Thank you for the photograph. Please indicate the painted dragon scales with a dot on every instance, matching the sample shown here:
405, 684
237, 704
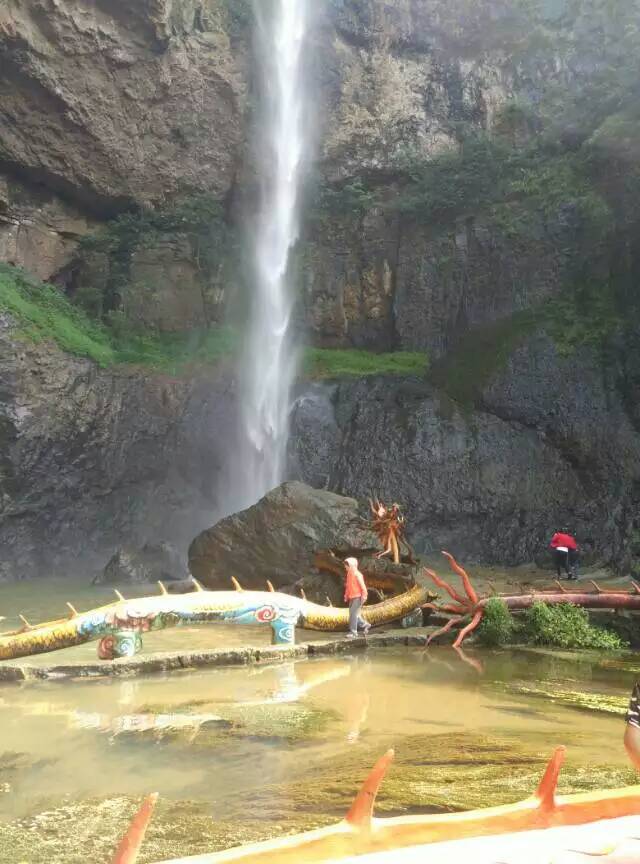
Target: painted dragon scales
118, 626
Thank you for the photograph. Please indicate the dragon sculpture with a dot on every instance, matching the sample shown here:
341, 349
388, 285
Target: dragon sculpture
359, 833
118, 626
389, 524
470, 606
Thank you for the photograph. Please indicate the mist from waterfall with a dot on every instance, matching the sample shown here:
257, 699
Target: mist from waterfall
270, 359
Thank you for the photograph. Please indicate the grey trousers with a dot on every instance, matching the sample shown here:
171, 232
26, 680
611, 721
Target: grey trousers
355, 618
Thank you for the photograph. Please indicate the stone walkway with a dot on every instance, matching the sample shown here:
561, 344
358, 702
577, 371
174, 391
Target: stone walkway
179, 660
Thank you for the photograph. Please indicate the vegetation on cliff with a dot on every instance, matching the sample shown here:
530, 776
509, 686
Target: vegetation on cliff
551, 174
43, 312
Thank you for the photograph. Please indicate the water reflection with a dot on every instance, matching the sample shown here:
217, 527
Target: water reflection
253, 750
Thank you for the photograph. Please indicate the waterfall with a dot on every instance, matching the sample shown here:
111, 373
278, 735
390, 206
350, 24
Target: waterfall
269, 363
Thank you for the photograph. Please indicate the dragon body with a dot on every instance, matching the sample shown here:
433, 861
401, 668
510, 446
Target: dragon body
118, 626
361, 834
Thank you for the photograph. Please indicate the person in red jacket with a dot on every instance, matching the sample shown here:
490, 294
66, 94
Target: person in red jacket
565, 554
355, 594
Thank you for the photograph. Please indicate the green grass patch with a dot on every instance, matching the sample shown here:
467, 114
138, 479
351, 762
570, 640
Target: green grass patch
174, 353
480, 355
43, 313
352, 363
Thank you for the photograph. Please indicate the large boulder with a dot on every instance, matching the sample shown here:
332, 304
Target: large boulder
277, 538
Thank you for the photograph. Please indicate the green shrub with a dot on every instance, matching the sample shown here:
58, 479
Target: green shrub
498, 626
566, 626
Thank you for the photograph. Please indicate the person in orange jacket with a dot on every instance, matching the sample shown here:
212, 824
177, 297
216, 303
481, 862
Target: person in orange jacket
355, 594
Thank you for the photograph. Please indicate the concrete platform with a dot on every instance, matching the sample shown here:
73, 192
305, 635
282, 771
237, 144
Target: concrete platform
148, 664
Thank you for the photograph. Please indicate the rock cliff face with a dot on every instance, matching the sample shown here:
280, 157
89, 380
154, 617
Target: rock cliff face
399, 81
113, 102
107, 105
554, 440
91, 460
111, 105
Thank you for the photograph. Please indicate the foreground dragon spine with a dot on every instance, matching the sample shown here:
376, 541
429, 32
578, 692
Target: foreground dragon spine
118, 626
360, 833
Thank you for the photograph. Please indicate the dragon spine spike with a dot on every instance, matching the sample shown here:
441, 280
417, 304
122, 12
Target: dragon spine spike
118, 595
270, 586
129, 848
302, 594
197, 585
547, 789
636, 586
163, 589
329, 603
596, 586
25, 622
74, 611
236, 584
361, 811
560, 586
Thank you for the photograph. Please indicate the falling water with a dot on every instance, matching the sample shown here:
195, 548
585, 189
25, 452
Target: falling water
270, 359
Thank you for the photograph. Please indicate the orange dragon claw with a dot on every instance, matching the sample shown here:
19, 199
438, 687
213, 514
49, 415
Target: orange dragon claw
462, 573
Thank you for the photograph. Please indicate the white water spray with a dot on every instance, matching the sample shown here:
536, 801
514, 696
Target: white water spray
270, 359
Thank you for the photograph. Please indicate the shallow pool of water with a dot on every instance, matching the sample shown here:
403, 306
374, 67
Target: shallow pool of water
247, 753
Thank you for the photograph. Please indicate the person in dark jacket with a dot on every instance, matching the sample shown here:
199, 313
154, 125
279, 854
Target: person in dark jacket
632, 732
565, 554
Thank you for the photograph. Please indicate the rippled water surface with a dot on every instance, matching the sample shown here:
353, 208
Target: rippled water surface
246, 753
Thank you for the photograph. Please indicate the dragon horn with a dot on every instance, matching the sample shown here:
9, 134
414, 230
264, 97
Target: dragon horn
25, 622
236, 584
197, 585
129, 847
547, 789
361, 811
270, 586
329, 603
302, 594
118, 594
163, 589
74, 611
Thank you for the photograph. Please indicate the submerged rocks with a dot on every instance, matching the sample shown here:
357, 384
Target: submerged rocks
152, 563
276, 539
